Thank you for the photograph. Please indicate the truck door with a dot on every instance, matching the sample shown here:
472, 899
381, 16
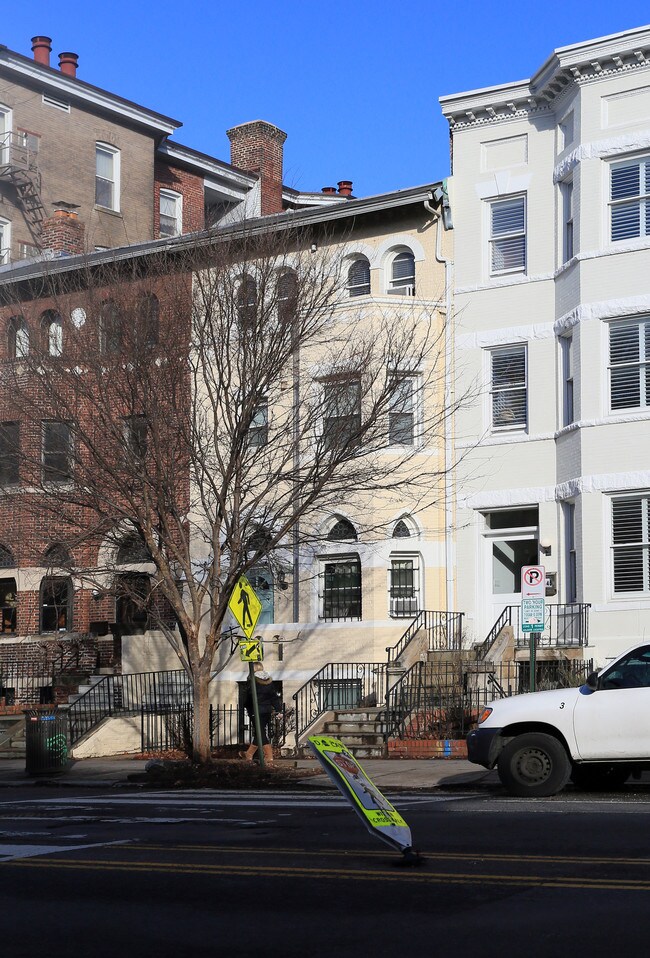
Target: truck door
614, 721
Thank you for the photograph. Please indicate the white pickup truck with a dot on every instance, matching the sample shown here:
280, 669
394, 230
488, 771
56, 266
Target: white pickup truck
596, 735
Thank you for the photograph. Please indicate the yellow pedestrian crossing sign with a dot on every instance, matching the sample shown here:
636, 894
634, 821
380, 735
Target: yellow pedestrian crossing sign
250, 650
245, 606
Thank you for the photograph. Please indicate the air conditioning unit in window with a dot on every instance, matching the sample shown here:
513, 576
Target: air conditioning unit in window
402, 291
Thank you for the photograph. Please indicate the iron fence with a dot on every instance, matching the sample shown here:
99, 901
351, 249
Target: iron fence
565, 626
443, 700
436, 631
170, 728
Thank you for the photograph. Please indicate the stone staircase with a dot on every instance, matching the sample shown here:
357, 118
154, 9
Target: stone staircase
12, 736
91, 680
358, 729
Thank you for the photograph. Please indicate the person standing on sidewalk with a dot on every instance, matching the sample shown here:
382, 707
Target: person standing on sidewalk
268, 701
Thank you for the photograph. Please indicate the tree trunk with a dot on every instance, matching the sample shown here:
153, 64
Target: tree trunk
201, 736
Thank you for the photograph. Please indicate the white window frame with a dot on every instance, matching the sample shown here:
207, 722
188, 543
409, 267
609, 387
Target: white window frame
355, 289
414, 411
568, 209
5, 242
567, 347
632, 544
640, 199
397, 286
177, 199
404, 607
113, 151
507, 236
5, 144
637, 370
502, 389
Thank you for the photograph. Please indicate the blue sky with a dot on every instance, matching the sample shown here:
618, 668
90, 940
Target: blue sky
354, 85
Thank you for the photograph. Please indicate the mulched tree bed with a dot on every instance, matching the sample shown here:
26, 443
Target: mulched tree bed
221, 773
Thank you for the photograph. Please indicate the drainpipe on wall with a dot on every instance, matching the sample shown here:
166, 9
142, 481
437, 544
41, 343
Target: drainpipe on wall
450, 581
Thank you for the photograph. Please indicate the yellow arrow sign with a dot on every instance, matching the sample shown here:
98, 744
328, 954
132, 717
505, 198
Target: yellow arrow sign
251, 650
245, 606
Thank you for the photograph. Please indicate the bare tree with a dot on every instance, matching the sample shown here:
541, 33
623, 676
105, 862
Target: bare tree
202, 409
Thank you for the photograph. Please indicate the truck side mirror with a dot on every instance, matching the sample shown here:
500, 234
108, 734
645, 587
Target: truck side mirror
592, 681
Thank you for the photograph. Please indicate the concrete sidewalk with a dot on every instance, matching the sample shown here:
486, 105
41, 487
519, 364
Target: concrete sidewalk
387, 774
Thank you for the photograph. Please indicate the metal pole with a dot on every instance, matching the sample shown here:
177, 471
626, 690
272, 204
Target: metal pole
533, 663
256, 713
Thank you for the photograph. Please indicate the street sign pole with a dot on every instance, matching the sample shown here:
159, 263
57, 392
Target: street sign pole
533, 597
256, 713
533, 661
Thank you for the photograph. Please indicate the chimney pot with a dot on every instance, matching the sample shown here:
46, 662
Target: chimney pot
41, 48
329, 189
345, 187
68, 63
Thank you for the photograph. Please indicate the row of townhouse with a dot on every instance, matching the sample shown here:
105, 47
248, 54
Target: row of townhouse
541, 292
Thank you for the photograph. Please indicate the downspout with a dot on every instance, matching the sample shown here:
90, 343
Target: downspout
450, 580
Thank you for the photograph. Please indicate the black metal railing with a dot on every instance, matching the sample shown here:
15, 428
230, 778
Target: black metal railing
443, 700
169, 728
128, 694
566, 626
484, 648
336, 687
440, 631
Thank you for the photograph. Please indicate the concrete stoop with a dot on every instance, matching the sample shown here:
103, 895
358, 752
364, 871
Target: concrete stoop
359, 730
12, 737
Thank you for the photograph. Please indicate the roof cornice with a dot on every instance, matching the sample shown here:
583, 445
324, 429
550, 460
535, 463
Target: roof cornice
71, 87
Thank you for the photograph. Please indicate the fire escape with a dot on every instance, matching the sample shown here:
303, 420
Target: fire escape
19, 167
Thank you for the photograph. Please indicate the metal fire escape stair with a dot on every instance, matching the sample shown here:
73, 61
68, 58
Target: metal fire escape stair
19, 167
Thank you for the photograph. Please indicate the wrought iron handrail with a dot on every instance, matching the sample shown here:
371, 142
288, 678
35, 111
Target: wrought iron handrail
127, 694
443, 630
566, 626
484, 647
336, 687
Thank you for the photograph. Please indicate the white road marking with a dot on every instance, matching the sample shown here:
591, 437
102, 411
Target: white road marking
9, 853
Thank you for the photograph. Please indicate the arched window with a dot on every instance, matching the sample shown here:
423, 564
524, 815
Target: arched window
247, 301
57, 556
110, 328
402, 274
7, 560
52, 328
359, 277
147, 324
287, 294
341, 531
401, 530
56, 604
17, 338
133, 550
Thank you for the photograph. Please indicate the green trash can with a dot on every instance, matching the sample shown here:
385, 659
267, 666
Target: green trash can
46, 742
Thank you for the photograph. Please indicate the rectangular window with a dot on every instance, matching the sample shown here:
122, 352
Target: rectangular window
629, 199
56, 604
401, 416
404, 586
5, 242
567, 378
338, 694
508, 235
9, 453
171, 213
571, 563
567, 221
57, 452
629, 355
27, 251
509, 387
135, 436
631, 543
107, 176
258, 434
8, 605
340, 589
566, 132
341, 413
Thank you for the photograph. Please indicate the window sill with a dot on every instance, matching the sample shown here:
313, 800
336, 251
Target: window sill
107, 209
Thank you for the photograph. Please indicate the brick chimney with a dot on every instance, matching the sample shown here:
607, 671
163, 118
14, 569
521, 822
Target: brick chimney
68, 63
41, 48
63, 233
257, 147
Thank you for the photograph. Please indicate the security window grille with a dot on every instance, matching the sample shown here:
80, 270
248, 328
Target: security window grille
359, 278
401, 416
567, 201
631, 544
404, 588
402, 275
258, 434
629, 199
106, 188
9, 453
509, 387
56, 604
629, 357
170, 213
57, 452
340, 589
341, 414
508, 235
8, 604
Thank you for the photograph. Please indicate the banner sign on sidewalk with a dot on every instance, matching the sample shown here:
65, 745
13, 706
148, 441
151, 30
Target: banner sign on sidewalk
377, 813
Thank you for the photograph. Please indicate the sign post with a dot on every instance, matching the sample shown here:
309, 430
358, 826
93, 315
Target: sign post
533, 619
246, 608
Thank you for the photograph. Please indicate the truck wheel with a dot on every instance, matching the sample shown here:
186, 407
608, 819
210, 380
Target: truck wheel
534, 765
599, 777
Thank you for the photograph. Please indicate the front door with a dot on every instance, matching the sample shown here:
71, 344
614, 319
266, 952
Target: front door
506, 554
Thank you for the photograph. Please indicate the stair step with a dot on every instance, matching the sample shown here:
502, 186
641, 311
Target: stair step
349, 715
341, 728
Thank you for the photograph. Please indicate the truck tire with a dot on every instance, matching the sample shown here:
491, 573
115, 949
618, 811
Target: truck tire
599, 776
534, 765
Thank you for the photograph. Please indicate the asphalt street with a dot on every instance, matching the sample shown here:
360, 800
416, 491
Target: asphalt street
295, 874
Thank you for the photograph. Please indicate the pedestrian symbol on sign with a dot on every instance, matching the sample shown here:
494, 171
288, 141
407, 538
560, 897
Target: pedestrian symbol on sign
245, 606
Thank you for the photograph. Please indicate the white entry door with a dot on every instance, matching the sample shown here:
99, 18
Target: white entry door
506, 554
